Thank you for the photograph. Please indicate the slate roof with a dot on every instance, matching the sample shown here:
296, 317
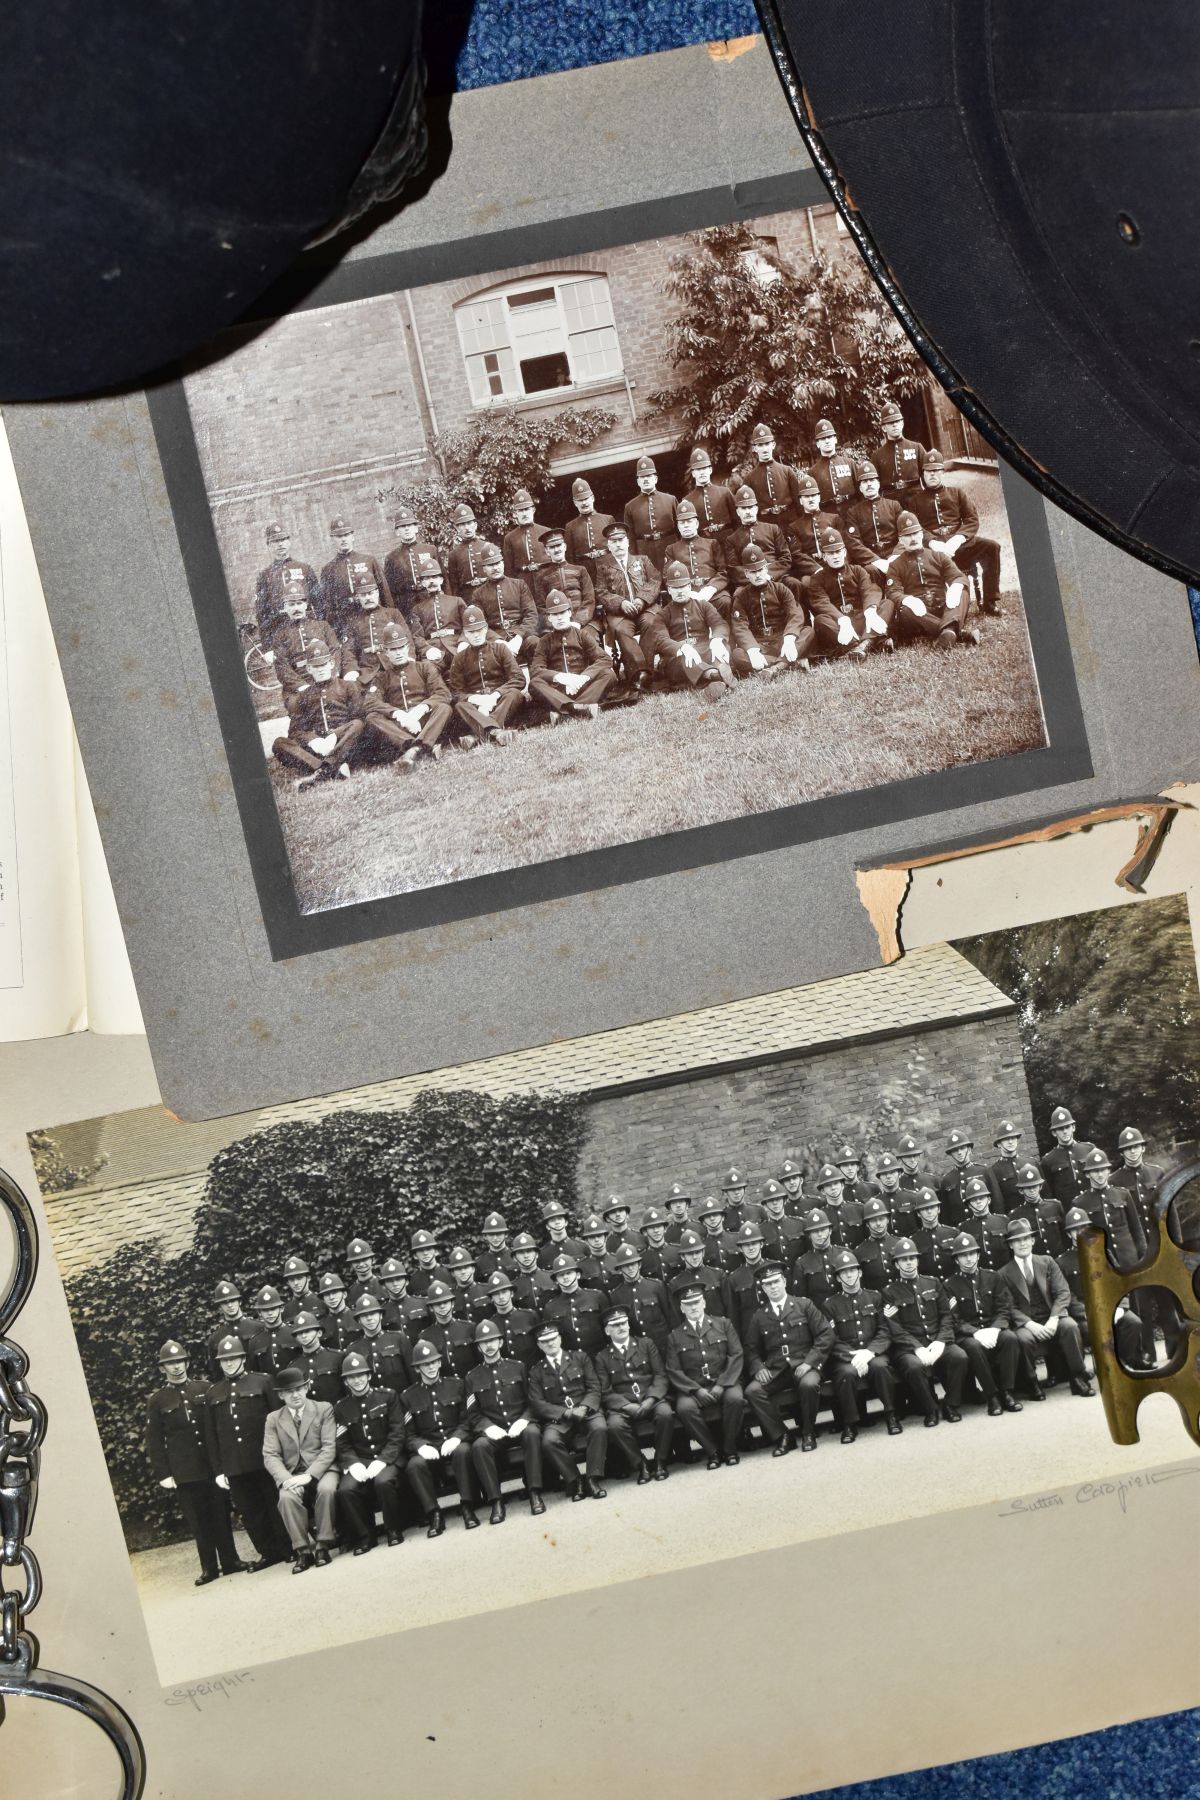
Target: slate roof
927, 988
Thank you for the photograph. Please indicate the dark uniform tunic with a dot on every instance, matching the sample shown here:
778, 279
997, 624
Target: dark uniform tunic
464, 568
835, 477
243, 1328
899, 462
922, 1316
498, 1394
339, 578
927, 575
721, 1253
935, 1250
708, 1361
456, 1343
520, 1328
976, 1308
400, 687
235, 1418
317, 711
292, 642
570, 579
523, 552
783, 1239
401, 571
363, 638
952, 1191
770, 539
389, 1357
990, 1232
806, 532
579, 1316
177, 1446
874, 1259
585, 538
834, 594
508, 607
433, 1412
485, 668
874, 524
705, 561
1063, 1171
648, 1306
715, 508
776, 488
270, 1349
947, 512
370, 1428
633, 1394
650, 521
777, 1342
339, 1329
813, 1274
552, 1390
281, 580
437, 623
322, 1369
858, 1324
1115, 1210
714, 1282
764, 616
575, 651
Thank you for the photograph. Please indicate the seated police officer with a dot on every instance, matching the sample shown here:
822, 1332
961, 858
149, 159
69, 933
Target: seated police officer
788, 1343
370, 1432
564, 1391
704, 1366
501, 1416
860, 1347
633, 1393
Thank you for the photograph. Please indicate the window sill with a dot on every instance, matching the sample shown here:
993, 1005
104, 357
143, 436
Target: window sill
580, 392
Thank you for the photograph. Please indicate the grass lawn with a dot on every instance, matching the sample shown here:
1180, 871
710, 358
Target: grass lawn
674, 761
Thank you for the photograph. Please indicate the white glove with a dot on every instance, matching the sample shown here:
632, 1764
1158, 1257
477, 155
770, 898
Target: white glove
517, 1427
268, 656
788, 649
689, 653
720, 649
562, 679
375, 1468
223, 1482
486, 703
935, 1350
874, 622
450, 1446
515, 642
706, 592
323, 745
860, 1362
846, 631
350, 675
915, 606
497, 1433
759, 661
428, 1452
433, 654
953, 596
168, 1481
359, 1471
953, 544
988, 1336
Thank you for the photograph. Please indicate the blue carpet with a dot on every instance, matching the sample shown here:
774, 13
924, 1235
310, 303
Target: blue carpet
508, 40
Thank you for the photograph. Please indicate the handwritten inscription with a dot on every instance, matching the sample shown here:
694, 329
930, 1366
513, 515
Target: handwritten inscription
1088, 1493
222, 1686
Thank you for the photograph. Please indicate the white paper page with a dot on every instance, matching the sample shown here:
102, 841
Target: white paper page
42, 986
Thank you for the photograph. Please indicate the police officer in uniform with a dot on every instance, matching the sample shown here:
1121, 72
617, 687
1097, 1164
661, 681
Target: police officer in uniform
179, 1457
495, 1253
464, 565
1127, 1325
899, 459
437, 1439
719, 1252
689, 637
339, 1327
790, 1177
507, 604
436, 617
282, 578
832, 470
928, 591
485, 682
452, 1337
767, 621
1143, 1180
873, 1252
703, 557
981, 1327
679, 1212
558, 576
908, 1154
577, 1311
518, 1324
850, 615
401, 1309
633, 1394
292, 638
272, 1343
951, 523
713, 502
335, 601
642, 1298
236, 1409
426, 1266
1006, 1167
787, 1345
1062, 1167
532, 1280
659, 1258
571, 672
934, 1241
859, 1353
921, 1323
386, 1354
782, 1231
952, 1187
704, 1366
406, 705
360, 1270
889, 1188
564, 1391
232, 1321
649, 518
1033, 1295
773, 483
1114, 1210
320, 1367
750, 529
745, 1281
1044, 1213
301, 1295
585, 532
370, 1433
813, 1273
324, 724
501, 1416
695, 1271
522, 546
844, 1210
402, 565
738, 1206
873, 522
558, 1242
363, 632
470, 1294
989, 1229
809, 527
595, 1264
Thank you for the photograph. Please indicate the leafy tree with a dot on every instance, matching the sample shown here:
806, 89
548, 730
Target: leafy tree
757, 337
307, 1186
499, 451
1108, 1011
54, 1174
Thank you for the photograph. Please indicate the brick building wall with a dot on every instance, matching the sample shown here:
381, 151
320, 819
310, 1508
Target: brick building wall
325, 411
802, 1107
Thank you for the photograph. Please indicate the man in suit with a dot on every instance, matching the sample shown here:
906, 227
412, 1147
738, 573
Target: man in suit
633, 1393
299, 1451
501, 1419
564, 1392
370, 1431
787, 1344
178, 1450
1032, 1295
650, 516
980, 1327
704, 1366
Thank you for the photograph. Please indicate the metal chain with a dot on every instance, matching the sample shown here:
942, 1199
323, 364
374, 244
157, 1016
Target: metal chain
22, 1433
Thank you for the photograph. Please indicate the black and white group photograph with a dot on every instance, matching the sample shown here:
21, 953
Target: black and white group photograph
795, 1265
582, 553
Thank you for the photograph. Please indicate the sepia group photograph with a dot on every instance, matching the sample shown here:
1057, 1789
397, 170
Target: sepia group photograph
792, 1266
554, 559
